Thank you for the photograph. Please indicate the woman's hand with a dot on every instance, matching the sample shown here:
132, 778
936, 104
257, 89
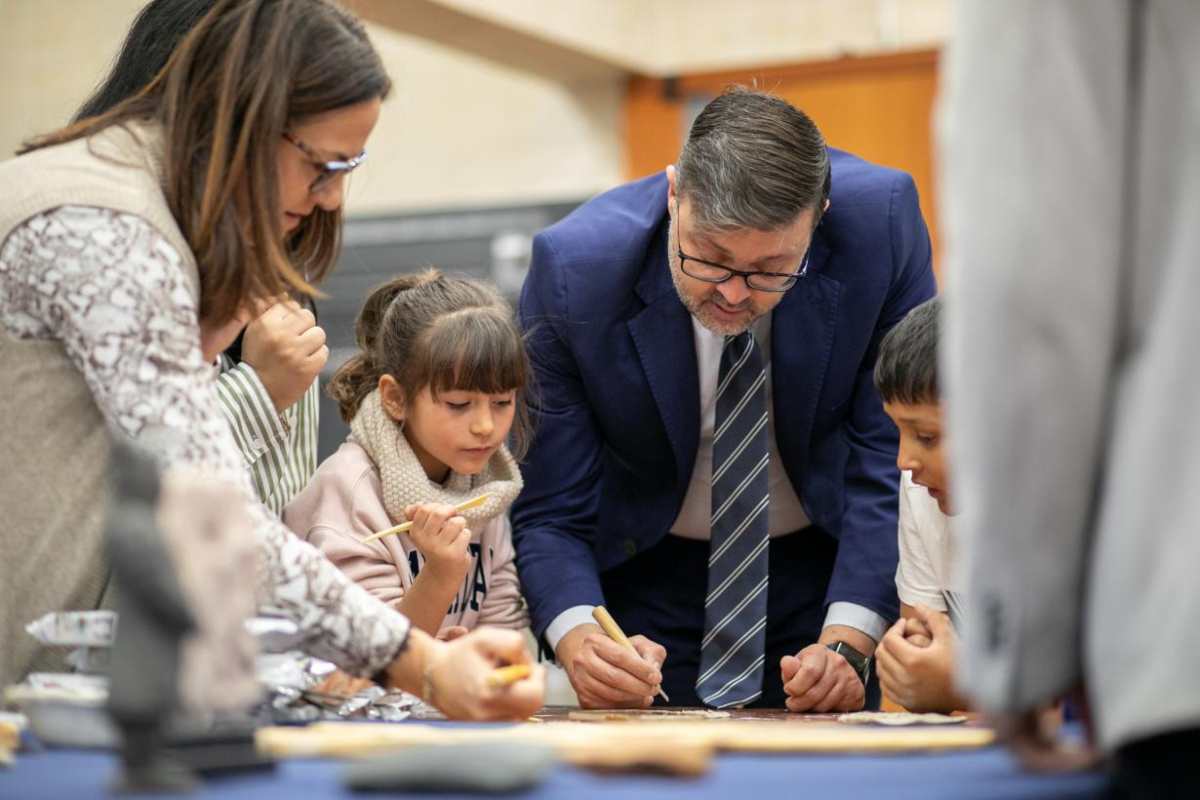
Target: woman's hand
452, 676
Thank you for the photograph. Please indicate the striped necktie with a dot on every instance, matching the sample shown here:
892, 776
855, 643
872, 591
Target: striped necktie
735, 609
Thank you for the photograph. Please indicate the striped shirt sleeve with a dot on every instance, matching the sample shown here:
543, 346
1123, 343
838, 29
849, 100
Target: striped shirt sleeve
279, 449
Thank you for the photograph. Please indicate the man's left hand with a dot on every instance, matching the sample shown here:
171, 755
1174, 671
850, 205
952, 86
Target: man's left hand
819, 680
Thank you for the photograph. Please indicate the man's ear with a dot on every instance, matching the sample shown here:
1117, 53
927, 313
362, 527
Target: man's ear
670, 186
392, 396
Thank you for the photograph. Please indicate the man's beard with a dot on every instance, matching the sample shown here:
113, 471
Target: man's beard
701, 309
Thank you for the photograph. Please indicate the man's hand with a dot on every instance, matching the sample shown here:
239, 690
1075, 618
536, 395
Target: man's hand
607, 675
287, 350
453, 676
818, 680
443, 538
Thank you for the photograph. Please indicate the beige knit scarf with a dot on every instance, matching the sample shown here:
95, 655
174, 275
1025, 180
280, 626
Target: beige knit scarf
404, 479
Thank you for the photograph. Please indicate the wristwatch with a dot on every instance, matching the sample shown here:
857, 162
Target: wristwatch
860, 662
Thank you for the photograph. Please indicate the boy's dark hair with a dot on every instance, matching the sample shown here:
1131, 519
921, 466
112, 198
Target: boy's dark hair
907, 368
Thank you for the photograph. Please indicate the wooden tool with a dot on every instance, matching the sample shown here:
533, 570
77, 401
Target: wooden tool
644, 714
683, 747
610, 626
403, 526
507, 676
577, 744
10, 738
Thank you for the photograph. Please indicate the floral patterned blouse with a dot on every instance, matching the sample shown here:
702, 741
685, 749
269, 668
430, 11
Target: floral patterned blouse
111, 288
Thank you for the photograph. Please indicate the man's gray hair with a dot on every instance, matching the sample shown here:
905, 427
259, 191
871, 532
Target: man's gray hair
752, 161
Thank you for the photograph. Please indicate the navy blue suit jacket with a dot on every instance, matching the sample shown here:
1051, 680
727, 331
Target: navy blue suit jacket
617, 398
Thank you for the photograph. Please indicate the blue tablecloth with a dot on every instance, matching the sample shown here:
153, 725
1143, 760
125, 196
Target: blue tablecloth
987, 773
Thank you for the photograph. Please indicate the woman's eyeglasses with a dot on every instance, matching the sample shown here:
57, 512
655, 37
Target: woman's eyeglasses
327, 171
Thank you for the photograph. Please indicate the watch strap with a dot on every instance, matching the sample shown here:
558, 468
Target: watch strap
856, 659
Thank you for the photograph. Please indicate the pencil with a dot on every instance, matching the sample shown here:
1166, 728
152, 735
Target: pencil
507, 676
403, 526
610, 626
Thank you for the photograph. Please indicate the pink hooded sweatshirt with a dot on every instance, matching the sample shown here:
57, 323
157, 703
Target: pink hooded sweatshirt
344, 503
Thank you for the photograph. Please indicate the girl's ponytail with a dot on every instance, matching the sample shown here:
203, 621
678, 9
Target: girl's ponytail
439, 333
356, 378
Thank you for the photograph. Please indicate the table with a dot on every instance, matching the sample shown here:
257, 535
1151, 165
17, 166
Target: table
986, 773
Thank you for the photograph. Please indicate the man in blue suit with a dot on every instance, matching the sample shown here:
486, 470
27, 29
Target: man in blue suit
711, 460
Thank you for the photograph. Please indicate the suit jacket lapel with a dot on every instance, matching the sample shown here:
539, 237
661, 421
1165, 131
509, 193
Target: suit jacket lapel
662, 334
802, 331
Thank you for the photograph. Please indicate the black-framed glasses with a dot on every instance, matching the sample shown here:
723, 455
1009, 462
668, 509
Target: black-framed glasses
327, 171
711, 272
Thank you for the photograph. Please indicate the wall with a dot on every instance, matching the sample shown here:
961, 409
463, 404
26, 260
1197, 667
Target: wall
463, 131
468, 130
459, 130
675, 37
52, 54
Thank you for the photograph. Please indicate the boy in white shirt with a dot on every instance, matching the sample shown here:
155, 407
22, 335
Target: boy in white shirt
915, 659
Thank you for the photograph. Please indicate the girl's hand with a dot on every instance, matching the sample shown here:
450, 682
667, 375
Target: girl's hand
451, 633
443, 538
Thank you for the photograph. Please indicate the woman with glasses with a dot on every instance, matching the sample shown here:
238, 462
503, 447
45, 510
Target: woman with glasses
267, 382
134, 246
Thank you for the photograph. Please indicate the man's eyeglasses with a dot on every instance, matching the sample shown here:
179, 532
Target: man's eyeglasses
711, 272
327, 171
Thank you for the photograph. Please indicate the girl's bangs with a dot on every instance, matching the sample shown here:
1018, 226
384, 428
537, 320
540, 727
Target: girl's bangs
476, 353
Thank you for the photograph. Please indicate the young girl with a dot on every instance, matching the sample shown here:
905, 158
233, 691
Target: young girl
430, 400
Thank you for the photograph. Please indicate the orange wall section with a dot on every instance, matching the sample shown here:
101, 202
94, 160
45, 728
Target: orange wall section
877, 107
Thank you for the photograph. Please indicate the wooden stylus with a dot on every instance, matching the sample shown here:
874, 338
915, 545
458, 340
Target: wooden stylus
403, 526
610, 626
507, 676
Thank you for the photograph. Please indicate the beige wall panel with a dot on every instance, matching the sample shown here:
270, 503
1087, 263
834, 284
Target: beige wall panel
52, 54
671, 37
458, 131
464, 131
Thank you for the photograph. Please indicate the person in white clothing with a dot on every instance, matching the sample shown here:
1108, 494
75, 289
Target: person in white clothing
915, 659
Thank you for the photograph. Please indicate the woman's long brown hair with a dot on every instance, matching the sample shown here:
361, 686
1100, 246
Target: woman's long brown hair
248, 71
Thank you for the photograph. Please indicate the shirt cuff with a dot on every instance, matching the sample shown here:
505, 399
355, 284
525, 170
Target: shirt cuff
573, 617
852, 615
257, 426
